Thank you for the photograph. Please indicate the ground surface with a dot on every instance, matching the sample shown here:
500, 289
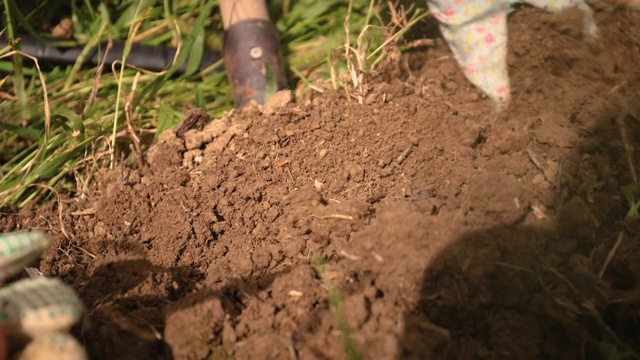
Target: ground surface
439, 228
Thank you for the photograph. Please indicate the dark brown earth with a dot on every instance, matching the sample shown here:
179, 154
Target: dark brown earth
418, 225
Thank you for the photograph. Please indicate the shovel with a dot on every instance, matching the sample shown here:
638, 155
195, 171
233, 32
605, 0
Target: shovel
251, 51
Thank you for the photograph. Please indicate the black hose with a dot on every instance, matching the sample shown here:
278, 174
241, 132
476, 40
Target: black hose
153, 58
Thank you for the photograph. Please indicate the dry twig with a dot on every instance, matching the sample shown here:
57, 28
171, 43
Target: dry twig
611, 254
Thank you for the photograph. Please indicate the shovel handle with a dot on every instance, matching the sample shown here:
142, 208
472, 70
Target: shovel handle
237, 10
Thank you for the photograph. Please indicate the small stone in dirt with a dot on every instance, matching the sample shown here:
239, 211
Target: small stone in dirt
356, 173
261, 259
276, 102
322, 153
260, 231
413, 139
474, 96
539, 180
317, 185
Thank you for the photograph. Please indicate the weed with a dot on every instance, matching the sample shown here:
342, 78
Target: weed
337, 307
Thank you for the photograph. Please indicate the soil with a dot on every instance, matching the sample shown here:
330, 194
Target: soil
420, 224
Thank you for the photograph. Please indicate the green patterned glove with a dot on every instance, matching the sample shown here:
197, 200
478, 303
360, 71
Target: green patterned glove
36, 314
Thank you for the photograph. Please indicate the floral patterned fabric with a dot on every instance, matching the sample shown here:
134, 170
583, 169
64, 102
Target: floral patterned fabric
476, 31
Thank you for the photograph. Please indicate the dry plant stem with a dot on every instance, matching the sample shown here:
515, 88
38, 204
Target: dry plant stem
333, 74
349, 256
357, 70
124, 175
534, 159
93, 159
353, 72
611, 254
405, 154
18, 75
395, 17
47, 111
500, 263
399, 33
565, 280
591, 310
93, 256
419, 44
286, 6
160, 29
89, 211
293, 354
96, 80
559, 174
175, 56
84, 54
334, 216
128, 112
59, 200
399, 160
628, 148
132, 31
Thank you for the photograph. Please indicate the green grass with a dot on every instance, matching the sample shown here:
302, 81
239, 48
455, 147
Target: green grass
60, 125
337, 307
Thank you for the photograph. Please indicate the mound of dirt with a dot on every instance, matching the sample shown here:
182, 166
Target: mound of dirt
420, 224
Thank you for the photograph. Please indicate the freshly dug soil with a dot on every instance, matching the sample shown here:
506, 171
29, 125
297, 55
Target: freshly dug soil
420, 224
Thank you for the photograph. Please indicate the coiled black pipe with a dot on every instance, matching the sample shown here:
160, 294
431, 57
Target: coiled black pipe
153, 58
